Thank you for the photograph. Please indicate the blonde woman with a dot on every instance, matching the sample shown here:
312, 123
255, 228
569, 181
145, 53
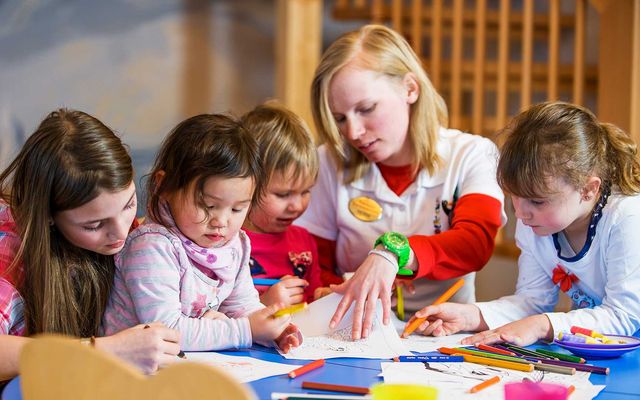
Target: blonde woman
397, 191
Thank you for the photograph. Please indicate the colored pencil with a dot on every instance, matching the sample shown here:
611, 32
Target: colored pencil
497, 363
290, 310
410, 327
496, 350
579, 367
561, 356
485, 384
306, 368
524, 352
447, 350
570, 390
400, 302
265, 281
558, 369
335, 388
429, 359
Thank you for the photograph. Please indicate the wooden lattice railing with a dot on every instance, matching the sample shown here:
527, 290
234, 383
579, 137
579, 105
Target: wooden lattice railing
489, 59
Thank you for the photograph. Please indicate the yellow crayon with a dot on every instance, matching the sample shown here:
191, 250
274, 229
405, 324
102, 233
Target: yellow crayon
400, 303
290, 310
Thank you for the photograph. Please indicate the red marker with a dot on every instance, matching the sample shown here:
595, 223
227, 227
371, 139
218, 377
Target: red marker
306, 368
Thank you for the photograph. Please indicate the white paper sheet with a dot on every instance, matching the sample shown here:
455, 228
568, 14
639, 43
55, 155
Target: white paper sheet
245, 369
424, 344
453, 380
321, 342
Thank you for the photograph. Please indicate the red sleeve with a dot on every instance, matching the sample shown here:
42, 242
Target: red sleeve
466, 246
327, 258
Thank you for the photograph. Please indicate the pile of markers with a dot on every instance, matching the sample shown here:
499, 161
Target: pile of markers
586, 336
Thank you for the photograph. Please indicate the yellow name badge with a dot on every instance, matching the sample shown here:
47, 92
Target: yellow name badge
365, 209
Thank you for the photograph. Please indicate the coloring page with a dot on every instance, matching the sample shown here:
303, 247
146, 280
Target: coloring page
244, 369
321, 342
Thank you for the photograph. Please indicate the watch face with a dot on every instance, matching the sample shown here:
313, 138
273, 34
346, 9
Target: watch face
396, 240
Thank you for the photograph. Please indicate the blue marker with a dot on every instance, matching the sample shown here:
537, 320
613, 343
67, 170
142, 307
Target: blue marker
265, 282
429, 359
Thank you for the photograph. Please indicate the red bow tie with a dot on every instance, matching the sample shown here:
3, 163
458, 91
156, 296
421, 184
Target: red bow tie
561, 277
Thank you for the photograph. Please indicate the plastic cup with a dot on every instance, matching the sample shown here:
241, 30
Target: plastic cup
401, 391
535, 391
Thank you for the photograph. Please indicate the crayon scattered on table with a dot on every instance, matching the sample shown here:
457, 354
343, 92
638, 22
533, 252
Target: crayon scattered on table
429, 359
496, 350
558, 369
485, 384
335, 388
579, 367
306, 368
497, 363
483, 354
561, 356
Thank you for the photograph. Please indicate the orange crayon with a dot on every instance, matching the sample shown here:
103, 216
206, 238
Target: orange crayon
306, 368
410, 327
485, 384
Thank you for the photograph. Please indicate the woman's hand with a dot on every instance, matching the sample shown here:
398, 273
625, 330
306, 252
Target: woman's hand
148, 349
290, 337
371, 281
265, 328
289, 291
447, 318
521, 333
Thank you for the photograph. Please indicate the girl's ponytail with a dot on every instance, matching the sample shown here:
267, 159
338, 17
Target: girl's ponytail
622, 159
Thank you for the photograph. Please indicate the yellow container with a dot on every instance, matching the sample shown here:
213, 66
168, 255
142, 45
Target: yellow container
399, 392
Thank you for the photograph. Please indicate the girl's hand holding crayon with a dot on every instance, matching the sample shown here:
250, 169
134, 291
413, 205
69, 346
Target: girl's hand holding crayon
521, 333
448, 318
265, 328
290, 290
148, 349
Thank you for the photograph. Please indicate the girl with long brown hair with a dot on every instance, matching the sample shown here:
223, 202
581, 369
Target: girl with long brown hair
68, 202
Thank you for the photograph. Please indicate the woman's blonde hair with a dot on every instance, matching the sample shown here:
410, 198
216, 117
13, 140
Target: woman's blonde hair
67, 162
557, 139
382, 50
284, 140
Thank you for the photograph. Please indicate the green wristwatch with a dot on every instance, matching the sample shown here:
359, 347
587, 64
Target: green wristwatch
398, 244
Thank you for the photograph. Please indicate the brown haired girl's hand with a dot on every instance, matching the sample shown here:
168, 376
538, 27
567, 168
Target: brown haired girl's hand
265, 328
290, 337
289, 291
447, 318
148, 349
521, 333
371, 281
